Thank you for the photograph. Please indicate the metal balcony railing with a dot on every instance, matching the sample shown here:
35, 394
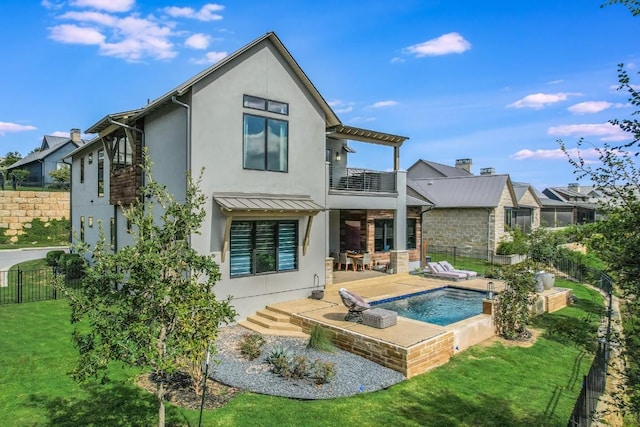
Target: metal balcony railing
353, 179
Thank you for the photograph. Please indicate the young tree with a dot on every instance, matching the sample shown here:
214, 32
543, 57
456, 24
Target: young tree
10, 158
512, 308
61, 176
150, 304
21, 175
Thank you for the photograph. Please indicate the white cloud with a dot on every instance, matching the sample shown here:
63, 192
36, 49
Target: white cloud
108, 5
443, 45
397, 60
362, 119
206, 12
51, 5
130, 38
210, 58
74, 34
604, 131
382, 104
540, 100
555, 154
555, 82
340, 107
6, 127
198, 41
591, 107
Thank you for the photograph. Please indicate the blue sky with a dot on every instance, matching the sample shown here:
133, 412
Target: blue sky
495, 81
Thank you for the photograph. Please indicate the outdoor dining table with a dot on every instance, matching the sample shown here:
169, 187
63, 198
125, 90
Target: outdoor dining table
354, 257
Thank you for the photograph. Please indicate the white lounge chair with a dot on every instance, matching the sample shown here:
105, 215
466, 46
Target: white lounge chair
447, 266
435, 269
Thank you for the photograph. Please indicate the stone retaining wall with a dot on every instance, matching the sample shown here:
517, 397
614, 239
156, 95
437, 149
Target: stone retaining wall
19, 208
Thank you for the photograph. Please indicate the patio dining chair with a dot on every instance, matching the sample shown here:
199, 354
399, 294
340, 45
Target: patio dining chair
344, 259
364, 262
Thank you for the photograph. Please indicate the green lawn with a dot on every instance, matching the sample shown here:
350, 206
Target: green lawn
493, 385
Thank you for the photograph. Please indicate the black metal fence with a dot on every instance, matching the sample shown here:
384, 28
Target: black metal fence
593, 385
19, 286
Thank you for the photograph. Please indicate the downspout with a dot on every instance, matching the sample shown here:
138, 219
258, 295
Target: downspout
115, 207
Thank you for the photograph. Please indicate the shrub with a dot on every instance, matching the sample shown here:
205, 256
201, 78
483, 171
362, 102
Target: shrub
72, 265
323, 372
515, 243
299, 367
512, 312
53, 257
320, 340
251, 345
279, 360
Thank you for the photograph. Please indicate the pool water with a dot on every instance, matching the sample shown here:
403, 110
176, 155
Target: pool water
441, 306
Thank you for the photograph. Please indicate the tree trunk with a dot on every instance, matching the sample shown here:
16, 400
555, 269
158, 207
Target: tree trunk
160, 396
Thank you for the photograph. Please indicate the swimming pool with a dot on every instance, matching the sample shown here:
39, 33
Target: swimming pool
441, 306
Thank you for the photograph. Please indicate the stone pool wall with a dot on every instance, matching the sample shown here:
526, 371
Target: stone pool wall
410, 361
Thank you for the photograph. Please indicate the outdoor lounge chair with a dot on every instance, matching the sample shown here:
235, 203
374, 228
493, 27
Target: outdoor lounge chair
355, 303
447, 266
436, 270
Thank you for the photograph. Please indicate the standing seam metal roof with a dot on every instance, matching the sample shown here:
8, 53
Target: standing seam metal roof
475, 191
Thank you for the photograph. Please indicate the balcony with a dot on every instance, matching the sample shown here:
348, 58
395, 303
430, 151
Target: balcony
361, 180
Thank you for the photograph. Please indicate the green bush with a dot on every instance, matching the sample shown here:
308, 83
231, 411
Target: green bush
55, 232
53, 257
72, 265
516, 243
323, 372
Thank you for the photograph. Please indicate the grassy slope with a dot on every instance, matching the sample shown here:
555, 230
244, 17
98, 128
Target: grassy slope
493, 385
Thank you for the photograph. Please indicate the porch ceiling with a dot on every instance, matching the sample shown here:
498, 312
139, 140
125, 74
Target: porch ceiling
365, 135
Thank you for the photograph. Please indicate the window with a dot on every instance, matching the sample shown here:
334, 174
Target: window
258, 247
518, 218
257, 103
112, 229
122, 153
82, 229
90, 221
90, 158
101, 173
265, 143
412, 236
82, 170
383, 235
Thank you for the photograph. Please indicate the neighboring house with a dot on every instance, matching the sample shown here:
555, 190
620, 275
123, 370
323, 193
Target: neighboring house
472, 213
50, 156
274, 153
583, 202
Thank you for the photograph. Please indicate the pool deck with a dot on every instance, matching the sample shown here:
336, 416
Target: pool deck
406, 336
410, 346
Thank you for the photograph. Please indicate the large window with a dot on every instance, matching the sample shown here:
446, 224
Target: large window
266, 143
383, 235
101, 173
82, 229
257, 103
518, 218
122, 153
258, 247
82, 170
412, 235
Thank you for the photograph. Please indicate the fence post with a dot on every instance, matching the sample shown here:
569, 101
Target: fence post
454, 254
19, 285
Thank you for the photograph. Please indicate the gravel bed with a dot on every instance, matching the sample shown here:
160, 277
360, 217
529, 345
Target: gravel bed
354, 374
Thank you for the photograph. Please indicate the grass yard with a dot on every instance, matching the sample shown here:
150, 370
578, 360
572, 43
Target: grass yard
492, 384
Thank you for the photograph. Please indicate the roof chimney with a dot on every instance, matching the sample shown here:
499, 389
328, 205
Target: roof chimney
487, 171
574, 186
75, 136
464, 164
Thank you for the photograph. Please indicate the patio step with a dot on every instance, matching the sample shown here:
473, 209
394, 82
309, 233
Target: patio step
271, 322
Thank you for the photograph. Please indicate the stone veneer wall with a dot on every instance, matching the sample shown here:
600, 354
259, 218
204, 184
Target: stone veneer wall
465, 229
328, 271
559, 299
410, 361
19, 208
399, 261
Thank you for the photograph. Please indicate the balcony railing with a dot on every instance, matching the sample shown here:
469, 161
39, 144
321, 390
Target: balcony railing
353, 179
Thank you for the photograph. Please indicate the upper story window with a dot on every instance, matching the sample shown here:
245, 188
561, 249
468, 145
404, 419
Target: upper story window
82, 170
122, 153
101, 173
263, 104
266, 143
90, 157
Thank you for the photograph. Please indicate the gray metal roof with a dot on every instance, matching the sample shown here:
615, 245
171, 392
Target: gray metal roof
54, 143
414, 201
439, 170
472, 191
266, 202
